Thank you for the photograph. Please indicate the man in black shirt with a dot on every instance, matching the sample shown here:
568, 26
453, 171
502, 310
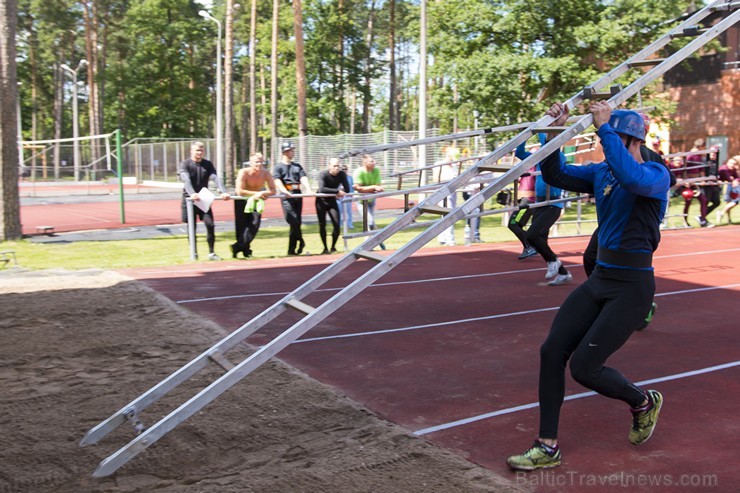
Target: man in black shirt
195, 174
329, 182
289, 176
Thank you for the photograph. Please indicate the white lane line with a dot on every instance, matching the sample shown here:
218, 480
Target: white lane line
394, 283
489, 317
434, 279
531, 405
425, 326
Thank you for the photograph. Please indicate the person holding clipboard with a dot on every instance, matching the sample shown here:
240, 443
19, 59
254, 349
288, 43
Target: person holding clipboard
195, 174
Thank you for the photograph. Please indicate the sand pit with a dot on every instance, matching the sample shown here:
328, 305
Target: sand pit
77, 346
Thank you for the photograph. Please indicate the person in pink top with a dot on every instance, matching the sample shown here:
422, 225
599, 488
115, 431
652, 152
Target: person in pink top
519, 221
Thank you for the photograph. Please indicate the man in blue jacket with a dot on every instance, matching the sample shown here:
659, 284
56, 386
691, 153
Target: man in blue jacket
600, 315
542, 220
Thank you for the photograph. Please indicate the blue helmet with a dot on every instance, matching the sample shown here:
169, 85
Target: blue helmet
628, 122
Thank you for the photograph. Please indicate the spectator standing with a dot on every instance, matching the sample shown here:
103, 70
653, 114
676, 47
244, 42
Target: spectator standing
367, 179
251, 183
195, 174
543, 219
526, 192
289, 177
709, 197
345, 208
696, 163
448, 171
332, 180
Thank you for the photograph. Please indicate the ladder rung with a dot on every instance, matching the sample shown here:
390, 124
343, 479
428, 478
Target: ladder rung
299, 306
647, 63
219, 358
435, 209
689, 31
496, 168
538, 130
369, 255
590, 93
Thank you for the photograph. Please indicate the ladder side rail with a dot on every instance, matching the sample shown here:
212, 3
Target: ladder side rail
431, 140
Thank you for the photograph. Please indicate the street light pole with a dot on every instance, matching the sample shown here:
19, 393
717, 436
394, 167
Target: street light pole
75, 116
219, 95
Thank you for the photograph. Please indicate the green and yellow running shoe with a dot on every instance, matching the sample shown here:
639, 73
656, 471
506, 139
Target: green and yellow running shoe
649, 317
537, 457
643, 422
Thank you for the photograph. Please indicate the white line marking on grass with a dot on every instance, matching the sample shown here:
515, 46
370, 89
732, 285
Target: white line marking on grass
488, 317
531, 405
434, 279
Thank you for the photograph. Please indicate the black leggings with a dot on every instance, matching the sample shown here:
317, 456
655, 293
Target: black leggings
711, 199
252, 226
592, 324
207, 218
538, 232
519, 221
330, 206
293, 208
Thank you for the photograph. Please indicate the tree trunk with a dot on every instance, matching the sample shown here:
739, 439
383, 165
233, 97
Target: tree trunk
58, 115
300, 72
339, 71
273, 84
262, 116
10, 216
367, 93
244, 135
91, 43
229, 154
392, 66
252, 80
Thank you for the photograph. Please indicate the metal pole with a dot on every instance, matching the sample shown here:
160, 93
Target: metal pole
75, 117
191, 229
423, 88
119, 167
219, 95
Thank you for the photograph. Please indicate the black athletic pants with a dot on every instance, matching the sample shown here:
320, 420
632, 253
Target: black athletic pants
207, 218
592, 324
519, 221
250, 230
711, 199
292, 209
538, 232
329, 206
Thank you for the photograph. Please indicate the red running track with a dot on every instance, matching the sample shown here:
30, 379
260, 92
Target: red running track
453, 334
